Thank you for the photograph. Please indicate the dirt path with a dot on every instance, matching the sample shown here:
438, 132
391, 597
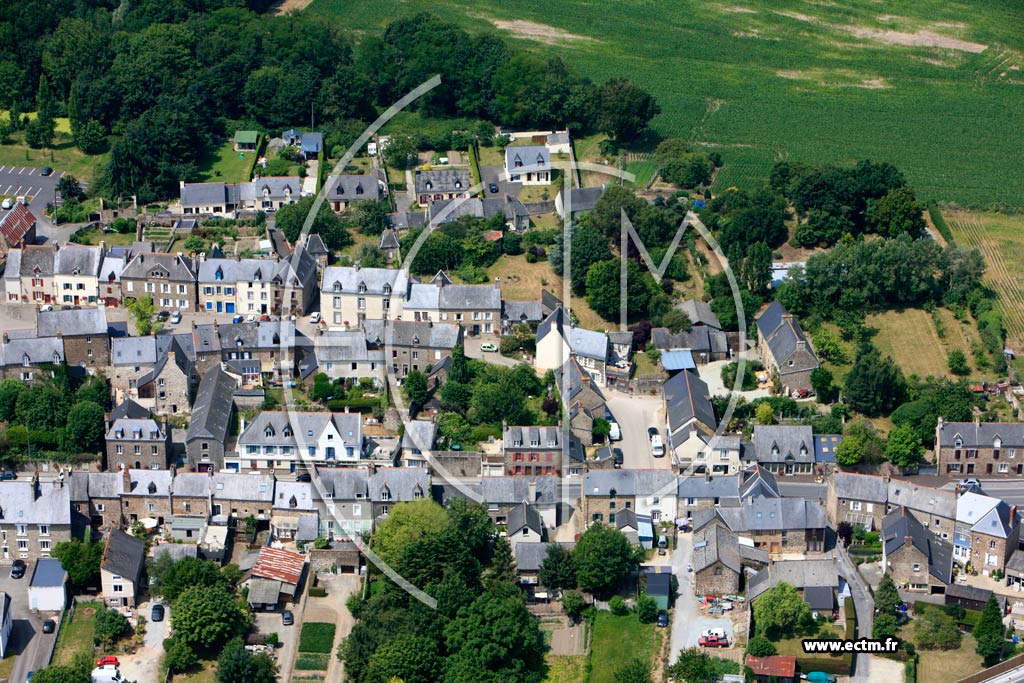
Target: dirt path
286, 6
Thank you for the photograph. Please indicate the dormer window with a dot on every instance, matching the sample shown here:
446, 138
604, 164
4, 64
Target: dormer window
416, 340
418, 493
430, 185
611, 493
387, 289
385, 493
258, 275
151, 488
359, 188
458, 184
958, 442
219, 274
309, 433
362, 287
56, 357
997, 443
803, 450
287, 431
337, 286
25, 360
76, 271
292, 502
269, 431
775, 450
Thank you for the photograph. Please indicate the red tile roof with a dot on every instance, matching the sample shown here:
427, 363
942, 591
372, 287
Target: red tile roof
16, 223
283, 565
777, 665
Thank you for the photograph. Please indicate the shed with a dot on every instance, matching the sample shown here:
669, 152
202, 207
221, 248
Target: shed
968, 597
781, 668
188, 529
48, 589
820, 598
264, 593
214, 543
659, 587
675, 360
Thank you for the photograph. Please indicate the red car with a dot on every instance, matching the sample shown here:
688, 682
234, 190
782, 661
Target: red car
107, 661
713, 641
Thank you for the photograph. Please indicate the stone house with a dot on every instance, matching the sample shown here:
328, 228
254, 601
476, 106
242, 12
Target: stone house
501, 494
138, 443
934, 508
994, 538
345, 190
347, 355
476, 308
417, 441
785, 449
914, 558
776, 525
293, 502
158, 372
96, 498
605, 493
558, 341
716, 561
84, 333
242, 496
34, 517
532, 451
121, 570
170, 279
212, 417
859, 499
436, 185
582, 399
691, 428
975, 448
524, 525
29, 274
192, 494
28, 358
785, 350
390, 485
288, 441
345, 501
147, 496
415, 345
352, 294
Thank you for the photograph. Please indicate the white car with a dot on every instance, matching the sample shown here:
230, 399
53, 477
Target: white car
657, 446
614, 431
47, 307
8, 203
175, 317
251, 319
314, 318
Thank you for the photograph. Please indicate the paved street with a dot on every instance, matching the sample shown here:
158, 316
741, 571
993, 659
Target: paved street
634, 415
287, 636
496, 174
471, 346
688, 621
28, 642
864, 603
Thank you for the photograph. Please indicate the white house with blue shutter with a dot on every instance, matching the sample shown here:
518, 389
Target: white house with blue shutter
283, 441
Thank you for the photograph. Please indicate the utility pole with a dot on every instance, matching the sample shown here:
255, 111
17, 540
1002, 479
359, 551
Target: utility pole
312, 120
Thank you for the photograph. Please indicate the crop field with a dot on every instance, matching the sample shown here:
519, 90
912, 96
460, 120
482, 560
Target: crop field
913, 340
1001, 241
934, 87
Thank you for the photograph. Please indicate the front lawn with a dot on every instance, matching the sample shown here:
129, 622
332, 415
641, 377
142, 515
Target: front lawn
617, 641
943, 666
834, 664
223, 164
76, 634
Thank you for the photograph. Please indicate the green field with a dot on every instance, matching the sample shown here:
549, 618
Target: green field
225, 165
616, 641
934, 87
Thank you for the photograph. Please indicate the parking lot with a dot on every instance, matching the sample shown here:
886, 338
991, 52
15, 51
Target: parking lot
28, 643
21, 181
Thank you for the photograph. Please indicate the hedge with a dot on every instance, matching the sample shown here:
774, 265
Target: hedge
358, 405
316, 636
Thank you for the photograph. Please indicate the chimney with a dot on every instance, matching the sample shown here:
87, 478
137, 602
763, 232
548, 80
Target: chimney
908, 541
533, 492
142, 258
127, 478
886, 476
7, 337
1013, 516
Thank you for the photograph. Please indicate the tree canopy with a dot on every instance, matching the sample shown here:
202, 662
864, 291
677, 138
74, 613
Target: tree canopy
603, 558
780, 611
207, 617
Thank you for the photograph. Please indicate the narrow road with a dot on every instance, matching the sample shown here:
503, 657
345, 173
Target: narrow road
864, 603
687, 620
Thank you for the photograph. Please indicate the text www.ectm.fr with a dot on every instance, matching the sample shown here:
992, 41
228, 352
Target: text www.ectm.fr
858, 645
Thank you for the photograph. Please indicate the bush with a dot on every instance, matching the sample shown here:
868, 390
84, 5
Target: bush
618, 606
317, 592
316, 637
271, 640
647, 609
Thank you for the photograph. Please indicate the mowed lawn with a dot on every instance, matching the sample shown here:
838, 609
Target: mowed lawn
917, 83
1000, 238
617, 641
563, 669
223, 164
64, 156
522, 281
912, 339
76, 634
945, 666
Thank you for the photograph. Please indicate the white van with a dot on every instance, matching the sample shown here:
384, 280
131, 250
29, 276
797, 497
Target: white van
714, 632
657, 446
614, 432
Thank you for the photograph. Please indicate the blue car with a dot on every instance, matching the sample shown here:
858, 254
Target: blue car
237, 319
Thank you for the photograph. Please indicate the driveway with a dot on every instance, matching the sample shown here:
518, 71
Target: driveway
471, 346
634, 415
287, 636
144, 665
28, 643
711, 373
688, 621
496, 174
331, 609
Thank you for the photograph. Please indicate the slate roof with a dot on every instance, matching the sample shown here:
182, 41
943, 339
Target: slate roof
522, 311
820, 598
981, 434
312, 143
446, 180
527, 158
793, 442
700, 313
425, 334
402, 484
406, 220
998, 521
293, 495
349, 188
799, 573
19, 504
899, 525
708, 486
124, 555
419, 435
715, 543
275, 187
530, 555
687, 399
659, 584
191, 485
349, 280
388, 239
15, 223
523, 516
315, 245
588, 343
783, 334
581, 199
510, 490
78, 259
129, 429
272, 427
251, 487
971, 507
110, 269
757, 481
1016, 562
345, 483
768, 514
105, 484
449, 297
526, 437
338, 346
32, 350
37, 260
178, 268
208, 194
862, 487
211, 411
12, 271
229, 270
150, 482
601, 483
922, 498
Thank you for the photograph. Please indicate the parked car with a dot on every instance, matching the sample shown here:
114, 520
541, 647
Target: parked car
49, 626
157, 613
287, 618
617, 457
657, 446
18, 569
652, 432
713, 641
250, 319
662, 618
304, 477
713, 632
314, 318
47, 307
488, 347
970, 481
109, 660
492, 188
8, 475
46, 171
175, 317
237, 319
162, 316
8, 203
614, 431
264, 318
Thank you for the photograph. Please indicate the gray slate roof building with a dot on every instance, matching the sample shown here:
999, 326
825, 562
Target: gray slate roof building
802, 574
78, 259
784, 336
19, 503
713, 544
863, 487
700, 313
250, 487
766, 514
516, 312
124, 555
899, 526
687, 399
441, 180
358, 280
37, 261
922, 498
425, 334
211, 413
527, 158
980, 434
31, 351
530, 556
778, 443
579, 200
998, 522
524, 516
170, 267
72, 323
353, 188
